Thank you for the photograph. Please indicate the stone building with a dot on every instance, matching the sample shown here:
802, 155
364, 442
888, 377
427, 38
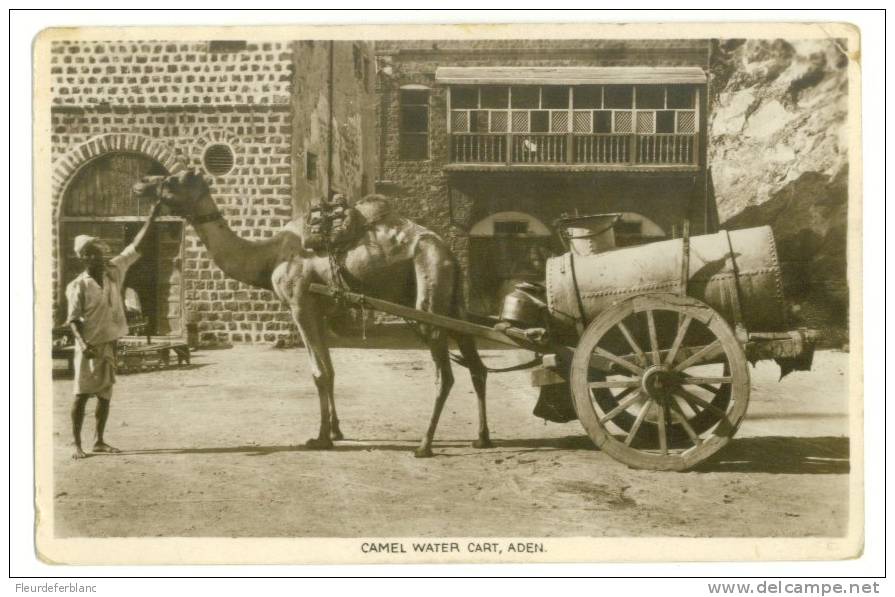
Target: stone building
271, 125
489, 142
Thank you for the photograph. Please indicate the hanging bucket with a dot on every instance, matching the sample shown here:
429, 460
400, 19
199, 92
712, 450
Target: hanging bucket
588, 235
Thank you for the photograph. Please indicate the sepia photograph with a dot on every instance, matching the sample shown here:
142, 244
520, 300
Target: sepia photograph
403, 294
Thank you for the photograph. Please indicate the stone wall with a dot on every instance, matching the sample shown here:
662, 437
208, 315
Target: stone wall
354, 147
159, 73
178, 98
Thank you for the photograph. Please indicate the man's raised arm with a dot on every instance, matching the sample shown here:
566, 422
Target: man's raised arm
133, 251
140, 239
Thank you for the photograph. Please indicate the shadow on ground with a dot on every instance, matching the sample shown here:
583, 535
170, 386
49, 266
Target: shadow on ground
782, 456
775, 455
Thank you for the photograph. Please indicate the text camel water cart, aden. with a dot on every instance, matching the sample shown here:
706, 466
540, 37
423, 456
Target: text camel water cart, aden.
652, 342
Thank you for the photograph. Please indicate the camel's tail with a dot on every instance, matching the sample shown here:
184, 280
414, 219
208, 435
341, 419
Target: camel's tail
458, 306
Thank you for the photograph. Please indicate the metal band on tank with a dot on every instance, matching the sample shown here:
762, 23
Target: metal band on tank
736, 294
583, 318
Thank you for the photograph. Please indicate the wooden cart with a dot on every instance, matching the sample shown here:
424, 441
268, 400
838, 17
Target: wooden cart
659, 379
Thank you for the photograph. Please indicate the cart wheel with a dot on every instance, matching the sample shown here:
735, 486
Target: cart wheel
660, 382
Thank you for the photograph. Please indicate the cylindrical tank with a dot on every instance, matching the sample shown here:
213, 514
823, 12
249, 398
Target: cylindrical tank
725, 268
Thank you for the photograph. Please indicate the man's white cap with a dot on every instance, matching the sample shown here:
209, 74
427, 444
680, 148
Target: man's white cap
82, 241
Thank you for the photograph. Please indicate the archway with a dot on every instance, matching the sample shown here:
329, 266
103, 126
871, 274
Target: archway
99, 201
636, 229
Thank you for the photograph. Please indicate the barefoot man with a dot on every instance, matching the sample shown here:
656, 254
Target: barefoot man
97, 319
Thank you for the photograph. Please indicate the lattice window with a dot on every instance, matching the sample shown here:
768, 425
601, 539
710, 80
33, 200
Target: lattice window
498, 122
623, 122
582, 122
686, 121
520, 122
460, 121
559, 122
646, 122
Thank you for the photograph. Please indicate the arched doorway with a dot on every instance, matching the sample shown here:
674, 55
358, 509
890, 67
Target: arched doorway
637, 229
99, 201
506, 248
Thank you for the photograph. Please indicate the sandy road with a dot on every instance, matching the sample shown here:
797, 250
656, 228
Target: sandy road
215, 451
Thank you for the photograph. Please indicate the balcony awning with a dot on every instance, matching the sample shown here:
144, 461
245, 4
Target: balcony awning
568, 75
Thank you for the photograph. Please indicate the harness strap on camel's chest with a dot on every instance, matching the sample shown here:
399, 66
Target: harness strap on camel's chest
342, 281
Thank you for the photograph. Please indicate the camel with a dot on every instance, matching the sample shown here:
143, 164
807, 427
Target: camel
394, 259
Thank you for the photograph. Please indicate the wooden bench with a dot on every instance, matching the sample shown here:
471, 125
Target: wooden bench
66, 353
152, 355
135, 352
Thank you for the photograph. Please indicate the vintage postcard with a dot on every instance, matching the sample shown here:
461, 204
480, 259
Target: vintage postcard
407, 294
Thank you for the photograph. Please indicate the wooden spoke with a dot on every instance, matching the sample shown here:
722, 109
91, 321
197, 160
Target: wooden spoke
618, 361
709, 388
622, 405
681, 332
692, 408
678, 415
663, 439
632, 342
653, 339
693, 398
617, 383
625, 392
703, 354
638, 421
703, 381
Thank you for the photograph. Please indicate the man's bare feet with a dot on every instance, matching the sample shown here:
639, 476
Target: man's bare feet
104, 448
78, 453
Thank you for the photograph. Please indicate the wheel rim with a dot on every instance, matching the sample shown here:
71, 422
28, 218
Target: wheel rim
660, 382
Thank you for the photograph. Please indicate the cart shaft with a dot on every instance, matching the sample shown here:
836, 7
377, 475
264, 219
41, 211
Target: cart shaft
508, 335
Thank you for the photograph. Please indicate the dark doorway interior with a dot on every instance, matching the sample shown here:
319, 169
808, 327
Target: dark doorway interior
143, 276
498, 263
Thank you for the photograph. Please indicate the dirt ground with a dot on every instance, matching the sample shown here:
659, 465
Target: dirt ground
215, 451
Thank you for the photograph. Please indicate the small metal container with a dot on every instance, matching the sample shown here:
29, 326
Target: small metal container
523, 308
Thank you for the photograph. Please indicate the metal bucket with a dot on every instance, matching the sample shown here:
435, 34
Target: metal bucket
588, 235
523, 307
729, 273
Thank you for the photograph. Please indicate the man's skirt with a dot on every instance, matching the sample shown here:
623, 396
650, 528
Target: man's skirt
95, 375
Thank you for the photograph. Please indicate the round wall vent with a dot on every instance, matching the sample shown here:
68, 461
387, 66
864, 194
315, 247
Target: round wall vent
218, 159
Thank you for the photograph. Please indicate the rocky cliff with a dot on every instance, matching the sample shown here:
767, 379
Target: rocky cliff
778, 153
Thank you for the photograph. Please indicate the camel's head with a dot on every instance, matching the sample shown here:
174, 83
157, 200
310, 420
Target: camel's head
180, 192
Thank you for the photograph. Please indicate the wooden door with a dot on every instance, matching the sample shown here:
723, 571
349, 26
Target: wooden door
104, 187
168, 305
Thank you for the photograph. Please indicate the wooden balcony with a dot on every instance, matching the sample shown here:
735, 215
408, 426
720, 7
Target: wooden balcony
574, 151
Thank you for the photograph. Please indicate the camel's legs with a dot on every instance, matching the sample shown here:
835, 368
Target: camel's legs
479, 374
444, 380
435, 276
311, 329
335, 432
